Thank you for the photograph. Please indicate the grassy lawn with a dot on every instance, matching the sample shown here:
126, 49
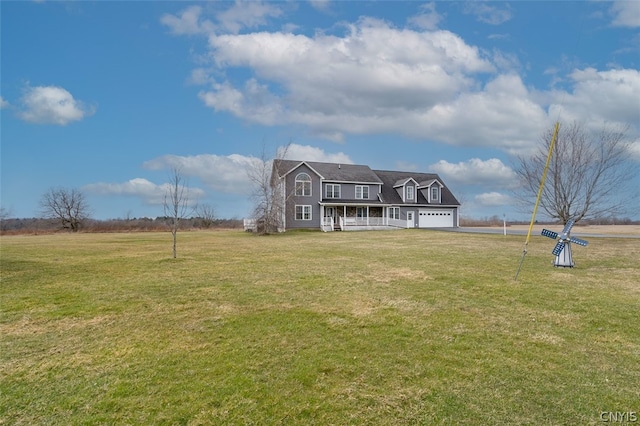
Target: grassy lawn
389, 328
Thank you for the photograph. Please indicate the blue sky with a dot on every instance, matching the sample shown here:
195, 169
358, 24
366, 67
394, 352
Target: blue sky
108, 97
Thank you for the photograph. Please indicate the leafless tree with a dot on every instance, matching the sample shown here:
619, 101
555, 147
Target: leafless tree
588, 177
268, 194
207, 214
68, 206
176, 203
4, 215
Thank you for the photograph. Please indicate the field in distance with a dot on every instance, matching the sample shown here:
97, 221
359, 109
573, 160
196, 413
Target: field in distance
397, 327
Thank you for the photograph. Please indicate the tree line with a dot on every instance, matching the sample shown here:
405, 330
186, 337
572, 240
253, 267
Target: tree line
36, 225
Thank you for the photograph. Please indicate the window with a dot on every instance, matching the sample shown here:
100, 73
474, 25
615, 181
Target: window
303, 185
409, 195
303, 212
394, 212
362, 192
435, 194
361, 212
333, 190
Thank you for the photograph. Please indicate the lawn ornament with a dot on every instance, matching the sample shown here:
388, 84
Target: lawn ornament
562, 250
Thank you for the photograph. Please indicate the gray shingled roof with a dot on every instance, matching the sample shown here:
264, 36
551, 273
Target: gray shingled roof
333, 171
363, 174
390, 178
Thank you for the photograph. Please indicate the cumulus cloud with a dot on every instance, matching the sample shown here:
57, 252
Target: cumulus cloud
224, 173
625, 14
600, 96
150, 192
375, 78
428, 18
492, 172
489, 199
229, 173
188, 22
247, 14
242, 14
52, 105
312, 153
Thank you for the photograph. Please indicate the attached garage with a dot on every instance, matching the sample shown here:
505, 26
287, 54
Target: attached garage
436, 218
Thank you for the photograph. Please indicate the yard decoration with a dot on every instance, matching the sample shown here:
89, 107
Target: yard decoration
562, 250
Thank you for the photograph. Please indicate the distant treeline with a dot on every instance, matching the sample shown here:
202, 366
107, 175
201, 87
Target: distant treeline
143, 224
498, 221
161, 223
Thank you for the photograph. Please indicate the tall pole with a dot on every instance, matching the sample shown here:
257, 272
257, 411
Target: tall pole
535, 208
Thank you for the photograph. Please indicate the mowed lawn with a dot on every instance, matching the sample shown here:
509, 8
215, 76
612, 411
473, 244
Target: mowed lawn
386, 328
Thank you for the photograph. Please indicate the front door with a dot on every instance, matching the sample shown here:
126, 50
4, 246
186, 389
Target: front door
331, 212
410, 221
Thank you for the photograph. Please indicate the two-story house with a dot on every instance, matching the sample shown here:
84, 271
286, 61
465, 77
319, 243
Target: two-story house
332, 196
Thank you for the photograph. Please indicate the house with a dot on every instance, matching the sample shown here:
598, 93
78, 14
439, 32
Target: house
332, 196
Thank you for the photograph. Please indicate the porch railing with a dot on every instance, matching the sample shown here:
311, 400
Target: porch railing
327, 224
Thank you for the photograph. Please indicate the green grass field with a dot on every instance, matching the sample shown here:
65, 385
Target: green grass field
387, 328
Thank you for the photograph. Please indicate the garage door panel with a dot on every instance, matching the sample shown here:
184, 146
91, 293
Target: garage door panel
434, 218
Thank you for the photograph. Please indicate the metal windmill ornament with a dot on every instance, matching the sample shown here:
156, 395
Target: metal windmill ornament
562, 250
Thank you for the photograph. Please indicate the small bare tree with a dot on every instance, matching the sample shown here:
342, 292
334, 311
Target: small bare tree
176, 204
68, 206
207, 215
587, 175
268, 194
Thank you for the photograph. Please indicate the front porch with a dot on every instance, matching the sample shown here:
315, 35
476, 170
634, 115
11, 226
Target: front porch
357, 218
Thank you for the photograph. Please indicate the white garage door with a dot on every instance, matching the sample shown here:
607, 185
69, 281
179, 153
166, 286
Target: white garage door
435, 218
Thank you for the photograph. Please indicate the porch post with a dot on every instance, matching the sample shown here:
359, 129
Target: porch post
321, 217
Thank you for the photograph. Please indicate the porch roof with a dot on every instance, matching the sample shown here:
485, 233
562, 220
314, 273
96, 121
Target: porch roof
340, 202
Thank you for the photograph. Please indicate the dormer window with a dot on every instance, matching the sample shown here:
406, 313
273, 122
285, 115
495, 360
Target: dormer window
303, 185
409, 193
435, 194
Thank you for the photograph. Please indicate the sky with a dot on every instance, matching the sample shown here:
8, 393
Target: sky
109, 97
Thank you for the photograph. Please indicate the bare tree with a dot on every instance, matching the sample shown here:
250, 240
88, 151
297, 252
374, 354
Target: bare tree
587, 175
176, 203
68, 206
4, 215
268, 194
207, 214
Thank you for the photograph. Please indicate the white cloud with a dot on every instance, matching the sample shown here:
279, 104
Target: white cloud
51, 105
188, 22
138, 187
375, 79
320, 4
3, 103
600, 96
247, 14
492, 173
379, 79
311, 153
489, 14
634, 149
222, 173
625, 13
428, 18
242, 14
488, 199
229, 173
